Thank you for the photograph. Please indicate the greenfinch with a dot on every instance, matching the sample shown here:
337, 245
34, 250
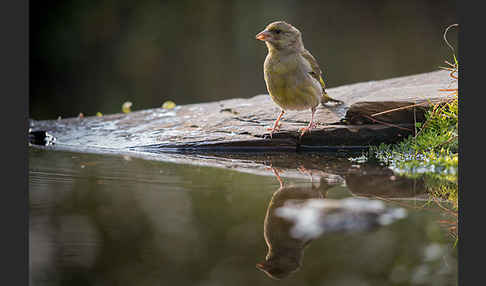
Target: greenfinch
291, 73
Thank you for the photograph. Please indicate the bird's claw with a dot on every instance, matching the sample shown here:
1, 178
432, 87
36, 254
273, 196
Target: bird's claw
275, 128
303, 131
306, 129
304, 171
273, 169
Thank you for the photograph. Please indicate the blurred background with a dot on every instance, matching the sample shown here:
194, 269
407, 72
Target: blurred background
93, 55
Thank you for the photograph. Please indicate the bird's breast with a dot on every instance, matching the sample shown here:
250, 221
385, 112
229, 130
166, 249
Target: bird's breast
279, 76
290, 87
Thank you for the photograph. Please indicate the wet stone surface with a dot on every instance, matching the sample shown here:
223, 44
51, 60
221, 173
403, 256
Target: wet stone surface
241, 124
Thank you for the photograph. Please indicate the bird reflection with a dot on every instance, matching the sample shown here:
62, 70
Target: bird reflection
284, 251
298, 214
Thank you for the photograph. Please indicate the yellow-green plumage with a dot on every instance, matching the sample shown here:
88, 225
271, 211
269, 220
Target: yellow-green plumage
292, 75
290, 82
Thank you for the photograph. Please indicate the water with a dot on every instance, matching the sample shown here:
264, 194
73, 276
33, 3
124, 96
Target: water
118, 220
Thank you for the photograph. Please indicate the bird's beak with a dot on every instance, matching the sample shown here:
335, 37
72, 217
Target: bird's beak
260, 266
263, 35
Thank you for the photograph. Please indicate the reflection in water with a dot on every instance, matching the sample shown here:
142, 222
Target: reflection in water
107, 220
284, 251
313, 218
298, 214
371, 180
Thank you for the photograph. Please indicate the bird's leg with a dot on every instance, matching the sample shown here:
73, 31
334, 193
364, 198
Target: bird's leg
311, 124
304, 171
276, 125
275, 171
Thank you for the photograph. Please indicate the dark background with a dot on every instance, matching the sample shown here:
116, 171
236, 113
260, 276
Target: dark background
93, 55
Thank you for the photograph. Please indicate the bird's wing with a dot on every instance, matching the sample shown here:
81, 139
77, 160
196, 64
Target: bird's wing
316, 73
316, 70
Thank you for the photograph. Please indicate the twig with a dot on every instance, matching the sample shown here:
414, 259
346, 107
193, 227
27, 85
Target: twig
442, 104
399, 203
444, 208
415, 122
399, 108
445, 38
447, 141
386, 123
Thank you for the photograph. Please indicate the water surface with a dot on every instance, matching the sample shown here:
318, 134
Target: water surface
118, 220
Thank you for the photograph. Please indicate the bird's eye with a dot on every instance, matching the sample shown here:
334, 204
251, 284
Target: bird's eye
278, 31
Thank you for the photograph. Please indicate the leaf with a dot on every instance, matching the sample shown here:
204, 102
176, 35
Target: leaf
126, 107
168, 104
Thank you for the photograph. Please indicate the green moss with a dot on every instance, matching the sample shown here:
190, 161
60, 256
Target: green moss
432, 153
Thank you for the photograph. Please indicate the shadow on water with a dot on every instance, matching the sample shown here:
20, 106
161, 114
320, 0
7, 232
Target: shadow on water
105, 220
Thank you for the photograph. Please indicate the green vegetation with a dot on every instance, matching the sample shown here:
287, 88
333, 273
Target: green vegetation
432, 153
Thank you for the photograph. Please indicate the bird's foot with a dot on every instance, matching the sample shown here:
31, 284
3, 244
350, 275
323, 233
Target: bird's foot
307, 129
273, 129
276, 172
269, 134
304, 171
303, 131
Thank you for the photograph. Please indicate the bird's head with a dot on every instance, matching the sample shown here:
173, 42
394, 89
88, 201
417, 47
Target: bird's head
281, 36
279, 268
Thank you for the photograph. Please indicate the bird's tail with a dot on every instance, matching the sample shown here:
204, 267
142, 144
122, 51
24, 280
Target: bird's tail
326, 98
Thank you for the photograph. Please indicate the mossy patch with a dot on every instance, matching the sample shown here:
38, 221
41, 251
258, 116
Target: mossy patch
432, 153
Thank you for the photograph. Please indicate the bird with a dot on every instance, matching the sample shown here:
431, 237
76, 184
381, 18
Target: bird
292, 75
